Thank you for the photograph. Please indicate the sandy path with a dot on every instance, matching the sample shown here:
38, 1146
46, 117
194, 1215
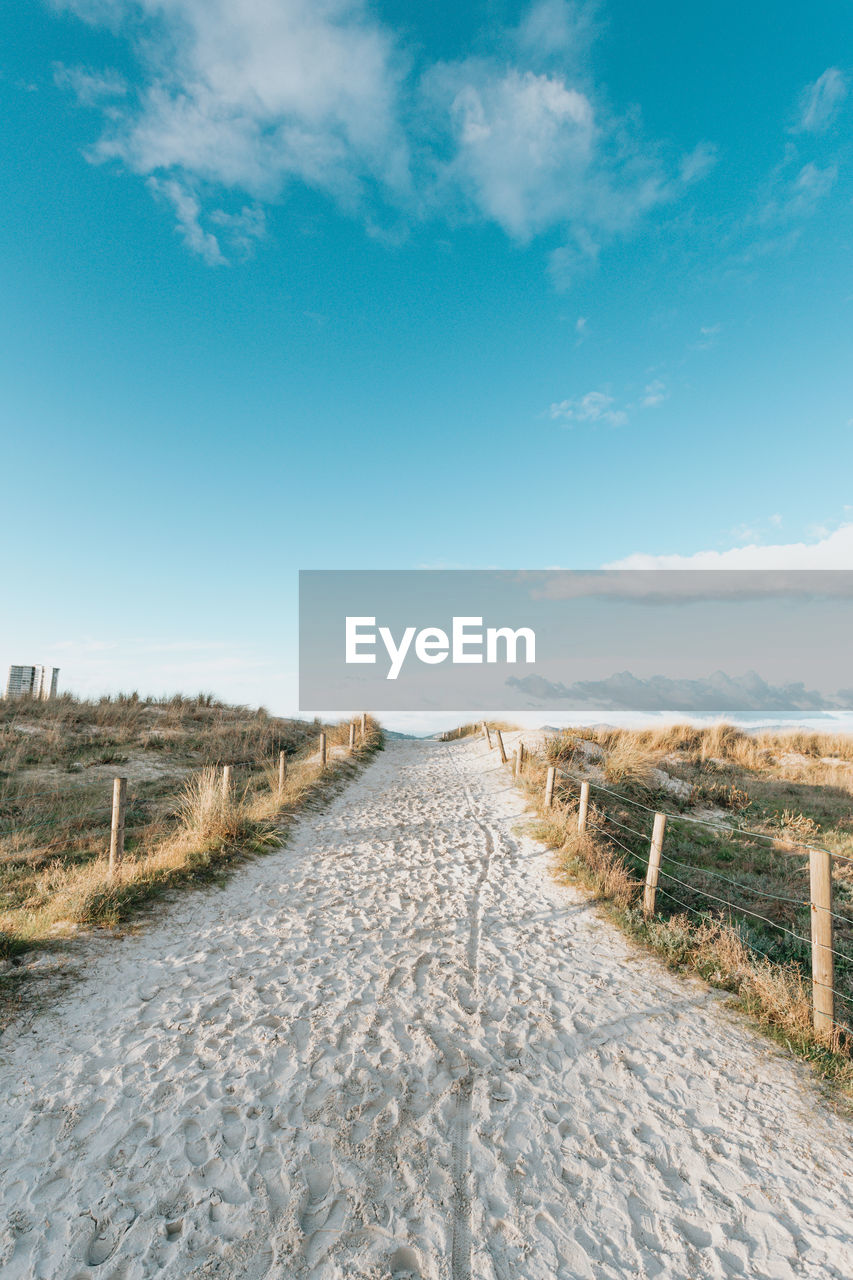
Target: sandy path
394, 1048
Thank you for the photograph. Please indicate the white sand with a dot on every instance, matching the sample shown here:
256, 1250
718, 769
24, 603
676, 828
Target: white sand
395, 1048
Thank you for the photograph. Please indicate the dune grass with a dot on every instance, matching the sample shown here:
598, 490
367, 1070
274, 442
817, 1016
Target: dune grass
738, 782
181, 829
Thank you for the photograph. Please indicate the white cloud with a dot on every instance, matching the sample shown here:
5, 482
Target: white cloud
708, 335
243, 228
698, 162
810, 186
745, 533
524, 146
555, 27
833, 551
573, 259
254, 95
595, 406
794, 198
533, 151
819, 102
92, 88
246, 99
654, 394
188, 210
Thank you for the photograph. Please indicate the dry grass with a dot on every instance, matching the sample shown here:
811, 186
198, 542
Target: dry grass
827, 758
181, 829
598, 865
475, 729
629, 766
73, 735
694, 932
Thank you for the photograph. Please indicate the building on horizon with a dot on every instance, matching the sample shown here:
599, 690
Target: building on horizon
32, 682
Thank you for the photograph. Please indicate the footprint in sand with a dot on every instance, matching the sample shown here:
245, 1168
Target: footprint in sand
102, 1245
322, 1225
54, 1188
233, 1130
319, 1179
195, 1144
405, 1262
225, 1185
174, 1230
90, 1120
318, 1209
269, 1166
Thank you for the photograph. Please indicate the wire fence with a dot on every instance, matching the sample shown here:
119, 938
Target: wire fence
816, 948
723, 896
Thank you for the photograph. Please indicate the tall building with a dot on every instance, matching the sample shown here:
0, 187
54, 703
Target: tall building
32, 682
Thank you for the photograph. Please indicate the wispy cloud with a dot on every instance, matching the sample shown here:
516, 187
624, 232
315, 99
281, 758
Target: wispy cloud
819, 102
92, 88
600, 406
242, 100
594, 407
187, 209
708, 335
654, 394
832, 551
796, 188
556, 28
796, 196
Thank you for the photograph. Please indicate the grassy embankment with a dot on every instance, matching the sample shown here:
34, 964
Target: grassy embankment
789, 790
57, 761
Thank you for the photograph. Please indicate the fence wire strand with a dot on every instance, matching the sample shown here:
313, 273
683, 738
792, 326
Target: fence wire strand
798, 848
704, 822
754, 946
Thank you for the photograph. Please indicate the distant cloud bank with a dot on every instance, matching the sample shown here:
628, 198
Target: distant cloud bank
832, 551
719, 694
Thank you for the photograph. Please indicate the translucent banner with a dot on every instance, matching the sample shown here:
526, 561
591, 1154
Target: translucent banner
737, 643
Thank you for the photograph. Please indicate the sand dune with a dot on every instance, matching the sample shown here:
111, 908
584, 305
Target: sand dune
395, 1048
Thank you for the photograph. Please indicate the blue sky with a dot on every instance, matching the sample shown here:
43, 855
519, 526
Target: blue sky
302, 285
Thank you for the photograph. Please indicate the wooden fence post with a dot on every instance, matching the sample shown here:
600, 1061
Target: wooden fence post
117, 824
226, 784
322, 750
583, 808
823, 998
282, 770
499, 737
363, 725
352, 736
487, 735
549, 786
654, 865
516, 761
